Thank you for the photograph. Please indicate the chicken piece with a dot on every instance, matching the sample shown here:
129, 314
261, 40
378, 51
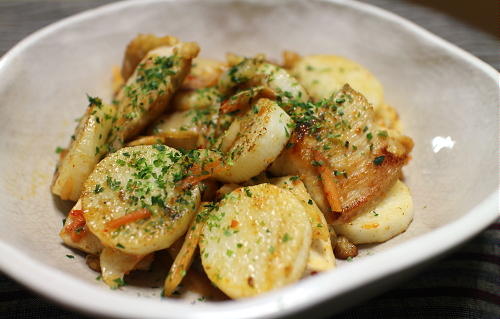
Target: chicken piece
341, 154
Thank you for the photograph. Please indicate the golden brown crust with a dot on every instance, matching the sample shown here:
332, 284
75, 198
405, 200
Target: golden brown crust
139, 47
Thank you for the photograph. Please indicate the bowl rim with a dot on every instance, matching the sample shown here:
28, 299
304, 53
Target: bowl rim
35, 275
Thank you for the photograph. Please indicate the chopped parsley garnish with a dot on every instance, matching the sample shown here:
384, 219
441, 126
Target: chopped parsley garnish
379, 160
248, 192
286, 238
316, 163
59, 150
382, 133
113, 184
94, 101
119, 282
98, 189
70, 256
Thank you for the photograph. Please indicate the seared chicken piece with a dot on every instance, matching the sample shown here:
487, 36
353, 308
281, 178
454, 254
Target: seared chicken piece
343, 157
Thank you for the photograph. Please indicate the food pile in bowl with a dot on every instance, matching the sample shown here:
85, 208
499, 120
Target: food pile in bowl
251, 173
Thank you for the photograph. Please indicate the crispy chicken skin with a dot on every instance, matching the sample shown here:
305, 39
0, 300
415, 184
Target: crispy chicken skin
340, 134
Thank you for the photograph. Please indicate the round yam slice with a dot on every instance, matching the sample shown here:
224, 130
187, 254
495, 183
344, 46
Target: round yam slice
131, 201
256, 240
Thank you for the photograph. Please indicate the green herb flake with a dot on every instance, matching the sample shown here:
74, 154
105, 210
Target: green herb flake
70, 256
379, 160
159, 147
248, 192
119, 282
98, 189
59, 150
120, 162
286, 238
120, 246
382, 133
229, 252
310, 202
369, 136
316, 163
375, 213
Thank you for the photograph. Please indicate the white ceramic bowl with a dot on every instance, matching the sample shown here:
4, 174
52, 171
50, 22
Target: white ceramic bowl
440, 91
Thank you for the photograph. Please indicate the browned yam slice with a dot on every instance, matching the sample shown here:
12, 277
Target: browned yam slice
364, 158
149, 89
184, 257
139, 47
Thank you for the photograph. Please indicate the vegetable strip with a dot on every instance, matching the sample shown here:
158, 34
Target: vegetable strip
199, 173
129, 218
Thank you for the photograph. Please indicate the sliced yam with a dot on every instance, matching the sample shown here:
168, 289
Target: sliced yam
195, 99
254, 141
76, 234
184, 257
226, 189
244, 99
282, 82
321, 257
389, 217
178, 140
176, 122
191, 128
149, 89
323, 75
244, 70
256, 240
115, 265
138, 48
85, 150
132, 203
204, 73
290, 58
250, 72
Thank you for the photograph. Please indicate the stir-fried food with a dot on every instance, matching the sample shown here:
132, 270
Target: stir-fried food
244, 171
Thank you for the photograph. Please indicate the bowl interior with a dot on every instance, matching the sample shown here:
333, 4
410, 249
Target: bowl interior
440, 97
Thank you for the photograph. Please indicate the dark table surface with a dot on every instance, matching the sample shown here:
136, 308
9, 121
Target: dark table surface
465, 284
